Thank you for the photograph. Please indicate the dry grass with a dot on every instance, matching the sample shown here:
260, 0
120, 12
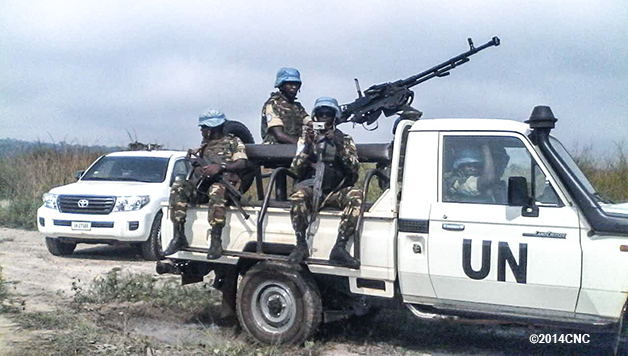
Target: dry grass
609, 176
26, 176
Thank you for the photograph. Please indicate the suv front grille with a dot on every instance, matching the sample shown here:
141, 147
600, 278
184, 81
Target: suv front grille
75, 204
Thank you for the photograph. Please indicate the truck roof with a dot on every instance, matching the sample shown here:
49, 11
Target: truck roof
470, 124
158, 153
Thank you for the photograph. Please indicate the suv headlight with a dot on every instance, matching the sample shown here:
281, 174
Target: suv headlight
50, 200
131, 203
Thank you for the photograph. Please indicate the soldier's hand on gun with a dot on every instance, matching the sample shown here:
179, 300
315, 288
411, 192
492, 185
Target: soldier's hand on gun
211, 169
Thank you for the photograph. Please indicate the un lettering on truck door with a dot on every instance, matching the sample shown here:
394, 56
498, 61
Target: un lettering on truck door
505, 256
481, 249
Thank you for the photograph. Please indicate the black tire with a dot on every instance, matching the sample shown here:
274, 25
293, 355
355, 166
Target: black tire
58, 248
151, 248
278, 303
240, 130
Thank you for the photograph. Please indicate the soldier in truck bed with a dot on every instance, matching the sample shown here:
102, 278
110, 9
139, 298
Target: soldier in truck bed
282, 115
227, 157
341, 173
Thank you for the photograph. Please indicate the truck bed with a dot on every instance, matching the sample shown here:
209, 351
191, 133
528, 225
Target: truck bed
240, 235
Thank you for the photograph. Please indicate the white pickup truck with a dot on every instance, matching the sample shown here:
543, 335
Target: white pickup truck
543, 247
118, 199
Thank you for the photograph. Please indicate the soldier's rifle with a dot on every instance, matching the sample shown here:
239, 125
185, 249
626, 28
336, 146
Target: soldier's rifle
320, 150
391, 98
197, 161
319, 175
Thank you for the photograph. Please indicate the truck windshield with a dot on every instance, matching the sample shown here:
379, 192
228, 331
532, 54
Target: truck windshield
135, 169
562, 152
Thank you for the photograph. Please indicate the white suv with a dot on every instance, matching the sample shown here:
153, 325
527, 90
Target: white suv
118, 199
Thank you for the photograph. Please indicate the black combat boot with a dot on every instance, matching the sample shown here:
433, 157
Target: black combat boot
215, 248
179, 240
301, 251
340, 255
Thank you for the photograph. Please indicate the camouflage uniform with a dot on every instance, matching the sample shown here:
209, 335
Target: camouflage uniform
278, 111
344, 164
227, 149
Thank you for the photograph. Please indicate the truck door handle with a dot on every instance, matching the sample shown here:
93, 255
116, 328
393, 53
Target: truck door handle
453, 227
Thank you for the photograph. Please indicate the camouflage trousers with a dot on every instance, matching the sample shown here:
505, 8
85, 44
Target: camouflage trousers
348, 199
183, 192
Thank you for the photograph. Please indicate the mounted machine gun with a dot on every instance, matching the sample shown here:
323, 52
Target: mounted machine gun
391, 98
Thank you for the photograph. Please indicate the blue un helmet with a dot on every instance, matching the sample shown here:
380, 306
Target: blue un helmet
327, 102
212, 118
287, 75
468, 156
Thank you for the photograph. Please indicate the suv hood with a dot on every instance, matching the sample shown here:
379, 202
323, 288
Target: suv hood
109, 188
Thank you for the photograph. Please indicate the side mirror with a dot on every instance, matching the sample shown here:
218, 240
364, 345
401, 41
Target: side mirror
518, 196
78, 174
178, 178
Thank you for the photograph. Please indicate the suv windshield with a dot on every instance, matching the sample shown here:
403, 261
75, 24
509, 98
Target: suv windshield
562, 152
136, 169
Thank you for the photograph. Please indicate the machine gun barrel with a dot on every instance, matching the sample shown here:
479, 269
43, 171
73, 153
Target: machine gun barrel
443, 69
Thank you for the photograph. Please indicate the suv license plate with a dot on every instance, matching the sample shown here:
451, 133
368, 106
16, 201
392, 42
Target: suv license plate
81, 225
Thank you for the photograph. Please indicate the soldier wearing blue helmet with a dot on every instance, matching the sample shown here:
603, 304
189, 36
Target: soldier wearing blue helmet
227, 157
283, 116
472, 176
340, 174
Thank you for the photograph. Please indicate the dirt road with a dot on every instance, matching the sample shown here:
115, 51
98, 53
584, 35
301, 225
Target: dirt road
44, 283
43, 279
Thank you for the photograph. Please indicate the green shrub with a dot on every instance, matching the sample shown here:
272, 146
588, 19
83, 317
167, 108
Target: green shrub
116, 286
20, 213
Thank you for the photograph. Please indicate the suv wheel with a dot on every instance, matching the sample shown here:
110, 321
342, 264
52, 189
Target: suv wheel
58, 248
151, 248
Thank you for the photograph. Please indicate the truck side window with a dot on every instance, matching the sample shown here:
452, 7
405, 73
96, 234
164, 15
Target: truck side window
180, 167
476, 169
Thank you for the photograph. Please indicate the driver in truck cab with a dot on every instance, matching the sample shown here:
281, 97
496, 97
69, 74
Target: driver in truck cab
473, 176
340, 174
226, 157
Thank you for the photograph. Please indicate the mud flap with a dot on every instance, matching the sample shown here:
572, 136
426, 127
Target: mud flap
190, 278
227, 282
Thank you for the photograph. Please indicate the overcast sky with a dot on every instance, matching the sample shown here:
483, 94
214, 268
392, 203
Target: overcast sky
88, 72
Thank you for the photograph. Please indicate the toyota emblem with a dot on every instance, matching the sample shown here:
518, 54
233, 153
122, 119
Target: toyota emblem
83, 203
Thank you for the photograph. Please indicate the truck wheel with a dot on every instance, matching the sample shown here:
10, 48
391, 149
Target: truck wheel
151, 248
278, 304
58, 248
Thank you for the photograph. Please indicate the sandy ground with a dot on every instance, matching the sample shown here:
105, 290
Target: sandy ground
44, 283
42, 280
